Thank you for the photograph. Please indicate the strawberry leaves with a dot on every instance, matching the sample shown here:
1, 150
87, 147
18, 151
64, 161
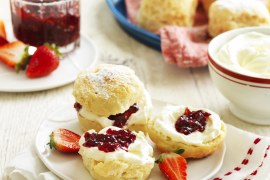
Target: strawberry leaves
24, 60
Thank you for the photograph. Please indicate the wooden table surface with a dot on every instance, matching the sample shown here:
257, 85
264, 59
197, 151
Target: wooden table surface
22, 113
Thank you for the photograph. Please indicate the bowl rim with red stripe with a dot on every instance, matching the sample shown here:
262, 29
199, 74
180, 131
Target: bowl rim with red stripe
249, 96
217, 42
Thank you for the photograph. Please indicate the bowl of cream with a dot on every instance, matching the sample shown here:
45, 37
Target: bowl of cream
239, 65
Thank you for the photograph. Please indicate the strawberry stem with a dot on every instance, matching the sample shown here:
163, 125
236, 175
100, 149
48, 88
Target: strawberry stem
24, 60
159, 160
53, 47
51, 143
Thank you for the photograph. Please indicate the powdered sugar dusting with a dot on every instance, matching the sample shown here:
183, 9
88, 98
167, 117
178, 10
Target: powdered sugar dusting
104, 80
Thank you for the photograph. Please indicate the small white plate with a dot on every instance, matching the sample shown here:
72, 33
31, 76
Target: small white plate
69, 67
70, 166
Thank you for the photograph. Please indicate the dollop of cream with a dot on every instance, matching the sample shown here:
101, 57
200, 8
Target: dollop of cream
139, 152
165, 124
138, 118
248, 54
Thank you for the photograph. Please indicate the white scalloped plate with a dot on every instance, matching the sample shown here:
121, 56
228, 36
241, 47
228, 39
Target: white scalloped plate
70, 166
69, 67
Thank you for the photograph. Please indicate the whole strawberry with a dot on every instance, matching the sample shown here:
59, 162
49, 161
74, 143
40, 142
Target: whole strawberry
44, 61
64, 140
173, 165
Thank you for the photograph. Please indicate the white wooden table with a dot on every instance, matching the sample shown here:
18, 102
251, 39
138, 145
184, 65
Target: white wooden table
22, 113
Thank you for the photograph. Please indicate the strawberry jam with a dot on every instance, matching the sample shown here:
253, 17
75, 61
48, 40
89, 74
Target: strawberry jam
38, 21
77, 106
111, 141
120, 119
192, 121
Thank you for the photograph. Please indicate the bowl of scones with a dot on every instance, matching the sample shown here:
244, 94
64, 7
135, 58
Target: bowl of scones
122, 131
219, 16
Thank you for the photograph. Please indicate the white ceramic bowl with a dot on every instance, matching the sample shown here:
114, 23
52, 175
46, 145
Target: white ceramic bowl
249, 96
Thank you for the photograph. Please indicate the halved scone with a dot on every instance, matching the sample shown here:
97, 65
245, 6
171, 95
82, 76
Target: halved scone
111, 95
198, 131
116, 154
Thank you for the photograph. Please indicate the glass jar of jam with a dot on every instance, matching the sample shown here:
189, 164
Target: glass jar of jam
36, 22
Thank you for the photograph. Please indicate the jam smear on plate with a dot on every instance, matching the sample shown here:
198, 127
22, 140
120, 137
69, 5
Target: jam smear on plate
121, 119
111, 141
192, 121
77, 106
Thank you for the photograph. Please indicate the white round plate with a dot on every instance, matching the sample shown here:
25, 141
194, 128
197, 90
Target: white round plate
69, 67
70, 166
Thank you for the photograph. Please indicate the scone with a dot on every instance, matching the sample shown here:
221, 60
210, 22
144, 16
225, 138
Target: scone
111, 95
116, 154
226, 15
198, 131
154, 14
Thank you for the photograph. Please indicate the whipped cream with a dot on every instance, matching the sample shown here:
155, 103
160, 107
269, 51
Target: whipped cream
247, 53
140, 117
165, 124
139, 152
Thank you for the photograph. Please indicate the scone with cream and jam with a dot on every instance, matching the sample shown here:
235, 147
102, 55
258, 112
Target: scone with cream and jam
116, 154
111, 95
198, 131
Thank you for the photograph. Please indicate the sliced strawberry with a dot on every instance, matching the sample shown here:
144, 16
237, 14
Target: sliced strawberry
13, 53
3, 35
64, 140
2, 29
173, 166
44, 61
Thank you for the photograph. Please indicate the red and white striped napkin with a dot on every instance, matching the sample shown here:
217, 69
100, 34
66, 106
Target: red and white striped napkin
247, 156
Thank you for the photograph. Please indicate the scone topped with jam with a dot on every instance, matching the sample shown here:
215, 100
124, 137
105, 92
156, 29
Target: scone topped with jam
198, 131
116, 154
111, 95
